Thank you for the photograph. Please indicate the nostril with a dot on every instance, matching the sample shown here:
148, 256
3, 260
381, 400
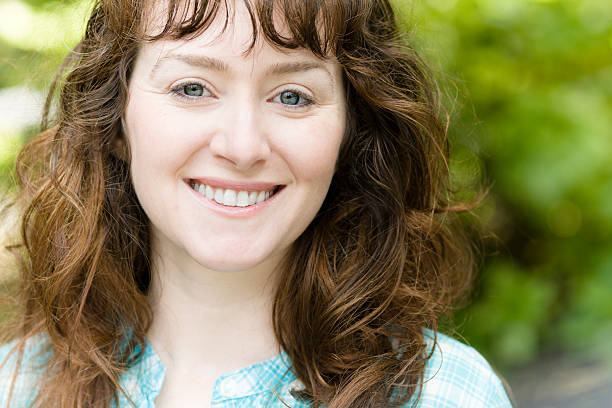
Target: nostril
241, 148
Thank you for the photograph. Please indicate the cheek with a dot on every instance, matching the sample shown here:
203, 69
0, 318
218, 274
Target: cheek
153, 133
144, 127
312, 149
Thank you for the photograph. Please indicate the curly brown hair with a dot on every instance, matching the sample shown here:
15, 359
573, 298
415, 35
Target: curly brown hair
379, 262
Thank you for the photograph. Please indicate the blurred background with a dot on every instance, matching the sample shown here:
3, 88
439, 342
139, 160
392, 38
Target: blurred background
528, 87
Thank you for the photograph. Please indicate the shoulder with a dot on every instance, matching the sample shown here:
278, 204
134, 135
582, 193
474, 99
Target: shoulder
456, 375
29, 367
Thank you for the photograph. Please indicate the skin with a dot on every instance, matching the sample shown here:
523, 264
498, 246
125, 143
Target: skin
214, 273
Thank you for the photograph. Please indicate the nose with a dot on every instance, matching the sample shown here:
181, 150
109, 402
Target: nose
240, 138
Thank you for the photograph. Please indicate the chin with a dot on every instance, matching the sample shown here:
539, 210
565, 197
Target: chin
228, 267
229, 261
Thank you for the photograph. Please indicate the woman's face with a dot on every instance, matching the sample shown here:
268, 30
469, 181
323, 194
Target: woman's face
232, 154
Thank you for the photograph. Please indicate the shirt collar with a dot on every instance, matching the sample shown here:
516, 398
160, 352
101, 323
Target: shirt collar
144, 379
265, 376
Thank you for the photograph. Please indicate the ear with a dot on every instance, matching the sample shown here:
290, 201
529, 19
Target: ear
120, 145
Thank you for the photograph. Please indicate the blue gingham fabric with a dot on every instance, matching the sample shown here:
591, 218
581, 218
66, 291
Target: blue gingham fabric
455, 376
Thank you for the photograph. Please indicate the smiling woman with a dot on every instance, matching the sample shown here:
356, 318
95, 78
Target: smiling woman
241, 203
265, 125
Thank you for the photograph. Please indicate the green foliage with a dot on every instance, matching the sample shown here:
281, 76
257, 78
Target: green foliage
528, 86
512, 308
9, 146
35, 36
531, 83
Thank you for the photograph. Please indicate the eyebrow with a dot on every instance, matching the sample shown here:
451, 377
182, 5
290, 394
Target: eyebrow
280, 68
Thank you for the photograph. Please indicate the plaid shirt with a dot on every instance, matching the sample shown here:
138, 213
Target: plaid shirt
455, 376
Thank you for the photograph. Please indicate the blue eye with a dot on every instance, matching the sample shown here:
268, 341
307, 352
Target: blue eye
193, 90
290, 98
190, 90
294, 99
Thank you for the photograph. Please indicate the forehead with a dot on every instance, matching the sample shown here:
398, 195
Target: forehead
230, 28
169, 18
284, 24
231, 36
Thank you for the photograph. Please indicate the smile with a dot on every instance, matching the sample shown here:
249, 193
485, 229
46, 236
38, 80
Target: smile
231, 197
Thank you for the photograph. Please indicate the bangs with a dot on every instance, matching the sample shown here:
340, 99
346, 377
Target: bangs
317, 25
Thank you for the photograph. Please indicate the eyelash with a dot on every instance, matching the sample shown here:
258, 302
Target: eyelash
178, 89
307, 99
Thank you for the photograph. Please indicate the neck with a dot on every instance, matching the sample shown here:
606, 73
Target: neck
208, 321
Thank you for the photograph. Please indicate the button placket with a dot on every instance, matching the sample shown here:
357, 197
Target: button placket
296, 385
234, 386
228, 387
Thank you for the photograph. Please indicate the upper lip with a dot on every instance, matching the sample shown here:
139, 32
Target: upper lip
235, 185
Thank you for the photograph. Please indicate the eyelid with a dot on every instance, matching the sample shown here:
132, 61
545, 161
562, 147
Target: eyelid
310, 100
177, 87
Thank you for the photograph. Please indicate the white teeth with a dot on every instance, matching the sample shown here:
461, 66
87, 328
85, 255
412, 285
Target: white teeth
231, 198
243, 199
261, 197
252, 197
219, 195
210, 193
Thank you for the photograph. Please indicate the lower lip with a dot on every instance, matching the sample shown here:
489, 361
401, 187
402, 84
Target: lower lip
233, 212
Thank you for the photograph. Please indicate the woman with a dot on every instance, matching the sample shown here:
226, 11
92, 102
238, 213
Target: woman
241, 203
